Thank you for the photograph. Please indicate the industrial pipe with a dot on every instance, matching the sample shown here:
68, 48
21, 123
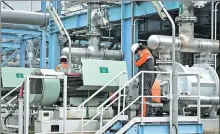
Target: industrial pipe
23, 17
133, 41
79, 32
183, 44
216, 9
84, 37
212, 19
215, 55
85, 53
62, 31
20, 115
205, 100
174, 91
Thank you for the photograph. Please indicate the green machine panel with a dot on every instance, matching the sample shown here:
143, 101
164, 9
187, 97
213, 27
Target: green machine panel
99, 72
13, 76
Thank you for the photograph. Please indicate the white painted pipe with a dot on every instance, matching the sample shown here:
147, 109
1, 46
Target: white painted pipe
20, 115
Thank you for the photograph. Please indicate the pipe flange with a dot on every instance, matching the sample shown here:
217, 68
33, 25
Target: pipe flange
186, 19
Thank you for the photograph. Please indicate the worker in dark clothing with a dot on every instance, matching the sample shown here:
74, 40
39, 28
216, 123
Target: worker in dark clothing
145, 62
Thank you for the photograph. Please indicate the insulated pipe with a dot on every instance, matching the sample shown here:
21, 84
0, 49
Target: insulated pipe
84, 37
23, 17
79, 32
85, 53
205, 100
174, 90
183, 44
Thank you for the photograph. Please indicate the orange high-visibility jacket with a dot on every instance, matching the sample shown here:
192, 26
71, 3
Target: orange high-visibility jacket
144, 56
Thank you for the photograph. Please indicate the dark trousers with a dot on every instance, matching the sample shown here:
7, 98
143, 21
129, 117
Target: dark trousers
148, 80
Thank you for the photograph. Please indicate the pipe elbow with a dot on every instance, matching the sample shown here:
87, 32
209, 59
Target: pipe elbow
153, 42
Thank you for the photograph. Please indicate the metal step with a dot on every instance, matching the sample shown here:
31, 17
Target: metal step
106, 127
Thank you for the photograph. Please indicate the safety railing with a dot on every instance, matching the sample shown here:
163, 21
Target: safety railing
169, 97
13, 90
96, 93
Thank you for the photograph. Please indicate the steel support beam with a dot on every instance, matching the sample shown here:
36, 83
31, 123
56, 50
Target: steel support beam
43, 50
126, 37
10, 45
22, 54
143, 8
43, 39
20, 31
54, 51
43, 6
135, 41
54, 46
13, 37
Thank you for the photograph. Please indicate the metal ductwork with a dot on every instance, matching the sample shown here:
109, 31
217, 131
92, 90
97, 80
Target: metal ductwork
23, 17
186, 41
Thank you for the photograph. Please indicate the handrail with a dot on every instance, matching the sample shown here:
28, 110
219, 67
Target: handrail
12, 100
94, 94
11, 91
130, 105
62, 30
111, 97
142, 96
98, 91
100, 112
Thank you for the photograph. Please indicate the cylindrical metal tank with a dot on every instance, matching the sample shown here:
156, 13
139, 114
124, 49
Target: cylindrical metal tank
187, 85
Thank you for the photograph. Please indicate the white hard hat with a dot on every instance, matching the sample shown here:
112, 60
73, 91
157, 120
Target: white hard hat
134, 47
63, 57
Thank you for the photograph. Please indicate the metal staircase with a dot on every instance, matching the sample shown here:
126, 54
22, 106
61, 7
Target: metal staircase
120, 97
9, 93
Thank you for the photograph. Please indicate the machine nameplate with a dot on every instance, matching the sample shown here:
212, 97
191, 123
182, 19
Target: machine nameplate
103, 70
19, 75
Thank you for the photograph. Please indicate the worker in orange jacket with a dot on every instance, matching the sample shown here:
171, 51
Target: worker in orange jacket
63, 66
145, 62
